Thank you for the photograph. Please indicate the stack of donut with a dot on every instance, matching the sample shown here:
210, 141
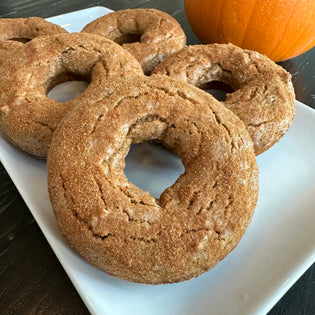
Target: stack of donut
144, 85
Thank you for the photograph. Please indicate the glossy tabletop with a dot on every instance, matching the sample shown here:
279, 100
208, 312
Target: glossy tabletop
32, 280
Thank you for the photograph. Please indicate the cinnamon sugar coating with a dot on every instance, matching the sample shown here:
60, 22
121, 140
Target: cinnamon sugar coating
122, 229
28, 117
148, 34
13, 32
263, 96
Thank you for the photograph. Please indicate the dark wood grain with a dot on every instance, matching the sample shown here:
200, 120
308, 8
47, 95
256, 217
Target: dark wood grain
32, 281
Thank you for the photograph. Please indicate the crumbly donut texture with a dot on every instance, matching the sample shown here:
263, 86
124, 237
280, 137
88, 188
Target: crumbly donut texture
28, 117
13, 32
160, 34
122, 229
263, 96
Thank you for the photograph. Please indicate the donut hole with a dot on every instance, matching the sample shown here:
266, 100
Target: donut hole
22, 40
128, 39
218, 89
152, 168
66, 86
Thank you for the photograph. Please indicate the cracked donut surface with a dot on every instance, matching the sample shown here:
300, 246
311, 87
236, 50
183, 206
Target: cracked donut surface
122, 229
13, 32
28, 117
263, 96
148, 34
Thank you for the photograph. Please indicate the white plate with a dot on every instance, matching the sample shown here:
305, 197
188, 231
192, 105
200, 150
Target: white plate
277, 248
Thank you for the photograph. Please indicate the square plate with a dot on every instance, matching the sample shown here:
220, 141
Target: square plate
277, 248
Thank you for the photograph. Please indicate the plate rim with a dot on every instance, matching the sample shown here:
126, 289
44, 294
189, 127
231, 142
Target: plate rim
265, 305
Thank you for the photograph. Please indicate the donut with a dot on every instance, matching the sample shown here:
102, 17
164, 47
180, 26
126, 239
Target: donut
263, 96
149, 35
16, 31
122, 229
28, 117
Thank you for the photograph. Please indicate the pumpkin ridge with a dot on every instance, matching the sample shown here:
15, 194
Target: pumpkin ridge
248, 21
220, 26
271, 50
296, 40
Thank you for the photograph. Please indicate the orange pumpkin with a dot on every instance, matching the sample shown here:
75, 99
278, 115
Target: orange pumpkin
280, 29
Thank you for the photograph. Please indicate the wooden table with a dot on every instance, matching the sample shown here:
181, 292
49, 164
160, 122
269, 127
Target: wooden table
32, 280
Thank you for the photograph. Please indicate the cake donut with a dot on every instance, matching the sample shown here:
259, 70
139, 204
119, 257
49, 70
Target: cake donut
14, 32
28, 117
148, 34
122, 229
263, 96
